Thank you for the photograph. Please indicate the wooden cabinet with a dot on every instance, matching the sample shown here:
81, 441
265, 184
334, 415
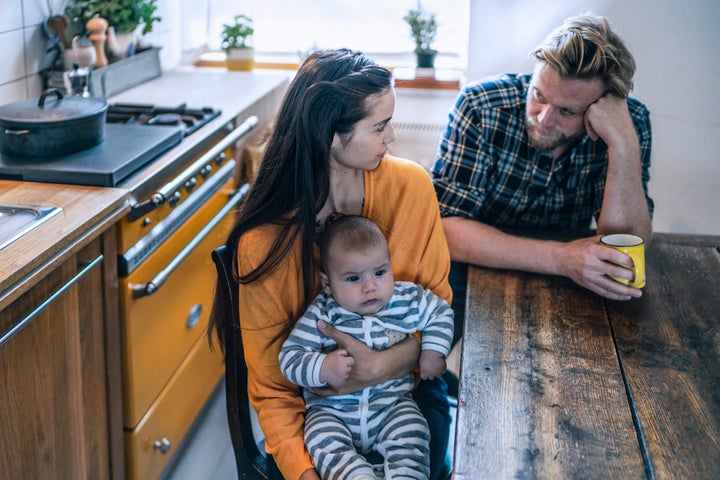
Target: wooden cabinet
60, 411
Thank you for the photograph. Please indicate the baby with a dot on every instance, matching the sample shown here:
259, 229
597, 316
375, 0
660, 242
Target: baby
360, 297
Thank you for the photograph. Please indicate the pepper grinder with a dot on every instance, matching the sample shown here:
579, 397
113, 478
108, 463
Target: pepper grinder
97, 26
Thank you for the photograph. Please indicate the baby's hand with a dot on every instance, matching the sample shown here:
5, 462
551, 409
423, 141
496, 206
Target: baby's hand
336, 368
432, 364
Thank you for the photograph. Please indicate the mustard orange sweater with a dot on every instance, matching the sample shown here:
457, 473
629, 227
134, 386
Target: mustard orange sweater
400, 198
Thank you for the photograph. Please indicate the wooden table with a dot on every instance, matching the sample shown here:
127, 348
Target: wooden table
557, 382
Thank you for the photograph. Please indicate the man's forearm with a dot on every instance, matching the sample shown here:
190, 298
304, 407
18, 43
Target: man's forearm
477, 243
624, 208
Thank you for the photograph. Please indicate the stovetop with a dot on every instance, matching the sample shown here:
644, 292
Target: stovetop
135, 135
190, 119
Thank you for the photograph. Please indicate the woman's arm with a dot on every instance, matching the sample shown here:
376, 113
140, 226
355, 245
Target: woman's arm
371, 367
265, 306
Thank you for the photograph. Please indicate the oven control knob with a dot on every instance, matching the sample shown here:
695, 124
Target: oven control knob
174, 199
191, 184
220, 159
205, 171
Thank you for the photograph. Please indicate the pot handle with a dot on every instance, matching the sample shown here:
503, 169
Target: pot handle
50, 91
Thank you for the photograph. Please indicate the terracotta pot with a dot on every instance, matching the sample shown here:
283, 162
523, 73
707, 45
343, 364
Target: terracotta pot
242, 59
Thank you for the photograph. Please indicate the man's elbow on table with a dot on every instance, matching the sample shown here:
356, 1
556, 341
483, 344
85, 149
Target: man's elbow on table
470, 241
458, 233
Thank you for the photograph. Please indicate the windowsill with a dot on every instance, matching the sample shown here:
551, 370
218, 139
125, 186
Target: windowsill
217, 59
431, 78
435, 79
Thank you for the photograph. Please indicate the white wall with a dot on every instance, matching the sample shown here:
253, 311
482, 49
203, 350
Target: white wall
677, 49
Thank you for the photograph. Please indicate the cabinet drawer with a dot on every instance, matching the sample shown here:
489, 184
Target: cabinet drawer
172, 414
55, 414
160, 329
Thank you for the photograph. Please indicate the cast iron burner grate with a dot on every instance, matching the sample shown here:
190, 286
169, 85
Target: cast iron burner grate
189, 118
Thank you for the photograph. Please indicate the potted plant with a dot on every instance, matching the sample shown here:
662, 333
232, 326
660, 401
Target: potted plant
423, 30
237, 43
124, 18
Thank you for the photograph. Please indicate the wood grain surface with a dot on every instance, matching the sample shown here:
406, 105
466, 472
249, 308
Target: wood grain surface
541, 394
669, 343
86, 211
557, 382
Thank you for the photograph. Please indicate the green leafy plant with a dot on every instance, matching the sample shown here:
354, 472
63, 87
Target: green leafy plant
237, 34
423, 27
124, 15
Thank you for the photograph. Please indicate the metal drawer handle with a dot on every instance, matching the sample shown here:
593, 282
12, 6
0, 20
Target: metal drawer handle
165, 193
48, 301
153, 285
162, 445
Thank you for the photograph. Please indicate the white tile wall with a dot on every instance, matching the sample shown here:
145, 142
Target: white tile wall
12, 51
23, 43
10, 15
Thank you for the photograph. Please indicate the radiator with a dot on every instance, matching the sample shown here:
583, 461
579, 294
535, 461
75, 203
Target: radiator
417, 141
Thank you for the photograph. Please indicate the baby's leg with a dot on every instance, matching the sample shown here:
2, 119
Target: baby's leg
330, 444
404, 441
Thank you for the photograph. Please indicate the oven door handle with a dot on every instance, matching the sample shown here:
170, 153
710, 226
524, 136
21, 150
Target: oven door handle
154, 285
161, 196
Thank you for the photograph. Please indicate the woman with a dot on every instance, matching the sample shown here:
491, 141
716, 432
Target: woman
327, 157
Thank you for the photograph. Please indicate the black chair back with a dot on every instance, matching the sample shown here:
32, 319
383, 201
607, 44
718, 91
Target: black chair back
251, 463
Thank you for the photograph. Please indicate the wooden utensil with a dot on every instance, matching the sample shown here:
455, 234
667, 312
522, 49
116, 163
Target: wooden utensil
58, 24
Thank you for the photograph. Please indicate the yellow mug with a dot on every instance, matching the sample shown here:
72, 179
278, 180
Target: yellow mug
632, 246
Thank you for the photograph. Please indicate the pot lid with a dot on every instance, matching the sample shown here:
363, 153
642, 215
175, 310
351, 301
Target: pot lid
52, 106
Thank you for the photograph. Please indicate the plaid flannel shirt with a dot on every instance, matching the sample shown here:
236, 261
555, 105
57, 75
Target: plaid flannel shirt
487, 170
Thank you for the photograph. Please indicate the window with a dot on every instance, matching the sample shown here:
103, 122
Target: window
293, 28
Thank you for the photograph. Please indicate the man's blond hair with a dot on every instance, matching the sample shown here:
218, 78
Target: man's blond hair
585, 47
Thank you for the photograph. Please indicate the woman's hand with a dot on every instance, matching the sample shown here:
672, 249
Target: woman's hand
371, 367
309, 474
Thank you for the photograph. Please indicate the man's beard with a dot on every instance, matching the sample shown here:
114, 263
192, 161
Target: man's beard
547, 144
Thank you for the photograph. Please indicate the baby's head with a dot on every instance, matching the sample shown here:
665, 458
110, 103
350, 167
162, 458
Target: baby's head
356, 267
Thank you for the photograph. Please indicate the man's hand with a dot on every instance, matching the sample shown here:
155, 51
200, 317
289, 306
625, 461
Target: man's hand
336, 368
432, 364
590, 265
609, 118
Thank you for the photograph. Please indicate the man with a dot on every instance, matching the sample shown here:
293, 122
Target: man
555, 149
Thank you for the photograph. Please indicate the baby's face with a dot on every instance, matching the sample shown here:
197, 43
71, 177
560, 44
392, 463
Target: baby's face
361, 280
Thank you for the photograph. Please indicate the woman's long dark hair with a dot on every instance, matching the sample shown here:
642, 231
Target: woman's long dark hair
327, 97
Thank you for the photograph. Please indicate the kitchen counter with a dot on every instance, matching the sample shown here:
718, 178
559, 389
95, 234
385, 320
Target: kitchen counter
86, 212
232, 92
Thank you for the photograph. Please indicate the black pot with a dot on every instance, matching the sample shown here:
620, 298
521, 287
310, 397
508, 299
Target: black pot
426, 58
52, 126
